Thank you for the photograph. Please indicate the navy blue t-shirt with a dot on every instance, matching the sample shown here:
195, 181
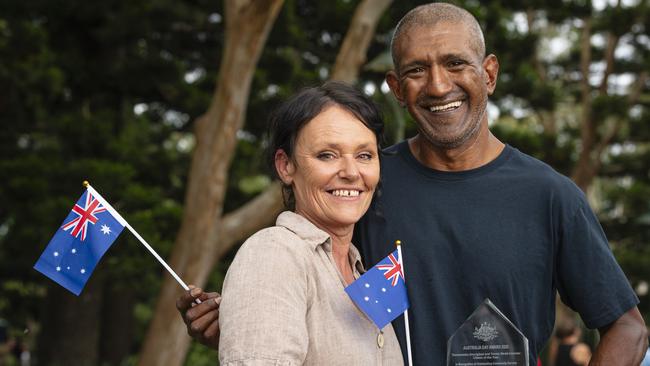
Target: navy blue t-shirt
514, 231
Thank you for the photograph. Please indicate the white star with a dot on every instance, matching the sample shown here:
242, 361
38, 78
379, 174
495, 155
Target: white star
105, 229
367, 285
68, 267
388, 310
83, 270
74, 250
383, 289
56, 254
366, 298
58, 268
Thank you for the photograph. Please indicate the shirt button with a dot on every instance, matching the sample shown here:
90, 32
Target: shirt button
380, 340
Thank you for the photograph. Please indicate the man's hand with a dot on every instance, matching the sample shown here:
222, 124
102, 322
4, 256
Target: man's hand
202, 320
623, 342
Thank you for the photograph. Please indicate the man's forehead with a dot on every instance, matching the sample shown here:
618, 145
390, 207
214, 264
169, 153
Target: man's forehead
442, 38
451, 37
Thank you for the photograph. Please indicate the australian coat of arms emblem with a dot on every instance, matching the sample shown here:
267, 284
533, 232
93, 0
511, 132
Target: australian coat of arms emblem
485, 332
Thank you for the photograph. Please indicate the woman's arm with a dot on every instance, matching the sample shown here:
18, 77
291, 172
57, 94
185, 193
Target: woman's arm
263, 310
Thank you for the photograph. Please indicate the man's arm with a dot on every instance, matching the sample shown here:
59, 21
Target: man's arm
623, 342
202, 320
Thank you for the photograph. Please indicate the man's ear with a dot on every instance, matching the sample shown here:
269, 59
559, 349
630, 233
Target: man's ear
393, 83
491, 70
284, 167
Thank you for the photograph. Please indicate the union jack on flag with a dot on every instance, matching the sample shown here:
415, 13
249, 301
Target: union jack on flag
85, 215
393, 270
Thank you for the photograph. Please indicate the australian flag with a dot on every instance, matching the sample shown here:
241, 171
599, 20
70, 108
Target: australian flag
381, 292
79, 244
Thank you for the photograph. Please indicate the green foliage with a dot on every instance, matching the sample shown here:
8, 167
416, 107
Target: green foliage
108, 91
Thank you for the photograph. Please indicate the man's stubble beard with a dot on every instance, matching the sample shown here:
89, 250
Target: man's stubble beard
450, 144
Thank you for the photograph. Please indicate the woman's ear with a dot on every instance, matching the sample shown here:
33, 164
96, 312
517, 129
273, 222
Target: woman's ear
284, 167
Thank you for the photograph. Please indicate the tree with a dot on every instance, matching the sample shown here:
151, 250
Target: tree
71, 75
203, 239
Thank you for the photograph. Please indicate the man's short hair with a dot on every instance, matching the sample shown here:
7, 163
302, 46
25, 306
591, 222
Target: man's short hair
429, 15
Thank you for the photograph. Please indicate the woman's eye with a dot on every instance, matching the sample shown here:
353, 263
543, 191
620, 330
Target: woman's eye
325, 156
365, 156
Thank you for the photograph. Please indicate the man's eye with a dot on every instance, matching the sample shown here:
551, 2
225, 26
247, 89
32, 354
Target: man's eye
456, 63
415, 70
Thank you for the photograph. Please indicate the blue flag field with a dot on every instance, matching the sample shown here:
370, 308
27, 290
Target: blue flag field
79, 243
381, 292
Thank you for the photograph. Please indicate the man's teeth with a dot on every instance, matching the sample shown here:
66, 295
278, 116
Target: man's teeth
445, 107
345, 193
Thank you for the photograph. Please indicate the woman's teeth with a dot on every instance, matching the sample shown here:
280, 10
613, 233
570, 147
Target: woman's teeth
345, 193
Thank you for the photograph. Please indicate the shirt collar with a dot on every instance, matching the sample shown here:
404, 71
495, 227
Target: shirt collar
303, 228
314, 236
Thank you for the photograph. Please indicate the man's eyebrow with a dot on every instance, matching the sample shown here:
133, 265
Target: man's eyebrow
465, 56
412, 64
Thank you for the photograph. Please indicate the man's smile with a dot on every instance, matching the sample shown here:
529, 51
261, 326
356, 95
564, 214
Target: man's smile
446, 107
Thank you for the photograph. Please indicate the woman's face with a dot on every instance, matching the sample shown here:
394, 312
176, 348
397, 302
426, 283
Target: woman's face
334, 170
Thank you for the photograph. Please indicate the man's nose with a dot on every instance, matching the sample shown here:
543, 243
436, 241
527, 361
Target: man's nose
439, 83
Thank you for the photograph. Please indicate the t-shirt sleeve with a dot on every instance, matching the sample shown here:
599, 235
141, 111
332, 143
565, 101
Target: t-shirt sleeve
263, 310
590, 281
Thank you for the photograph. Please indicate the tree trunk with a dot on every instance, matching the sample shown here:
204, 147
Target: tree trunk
117, 325
247, 27
70, 333
583, 169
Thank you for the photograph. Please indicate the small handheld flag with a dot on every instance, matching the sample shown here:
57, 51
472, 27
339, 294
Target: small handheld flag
76, 247
81, 241
381, 293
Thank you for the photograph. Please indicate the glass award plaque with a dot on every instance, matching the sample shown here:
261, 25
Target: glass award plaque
487, 338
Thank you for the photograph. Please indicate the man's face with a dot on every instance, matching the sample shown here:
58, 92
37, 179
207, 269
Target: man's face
443, 82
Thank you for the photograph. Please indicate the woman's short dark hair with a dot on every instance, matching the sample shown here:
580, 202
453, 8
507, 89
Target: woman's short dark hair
286, 121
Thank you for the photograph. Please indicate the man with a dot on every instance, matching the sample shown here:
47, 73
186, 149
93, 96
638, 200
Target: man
478, 219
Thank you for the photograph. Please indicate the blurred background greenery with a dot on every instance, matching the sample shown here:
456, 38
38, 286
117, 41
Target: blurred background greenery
110, 91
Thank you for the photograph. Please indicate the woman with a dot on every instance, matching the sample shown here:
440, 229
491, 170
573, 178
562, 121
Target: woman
283, 297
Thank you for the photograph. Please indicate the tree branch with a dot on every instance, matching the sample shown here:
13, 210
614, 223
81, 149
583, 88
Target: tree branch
355, 45
612, 43
244, 221
582, 172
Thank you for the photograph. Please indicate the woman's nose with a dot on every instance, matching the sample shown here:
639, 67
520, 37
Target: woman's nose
348, 169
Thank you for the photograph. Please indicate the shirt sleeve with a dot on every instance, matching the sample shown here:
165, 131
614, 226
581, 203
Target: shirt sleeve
263, 311
590, 281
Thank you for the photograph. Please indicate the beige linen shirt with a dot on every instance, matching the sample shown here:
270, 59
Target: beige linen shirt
284, 304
